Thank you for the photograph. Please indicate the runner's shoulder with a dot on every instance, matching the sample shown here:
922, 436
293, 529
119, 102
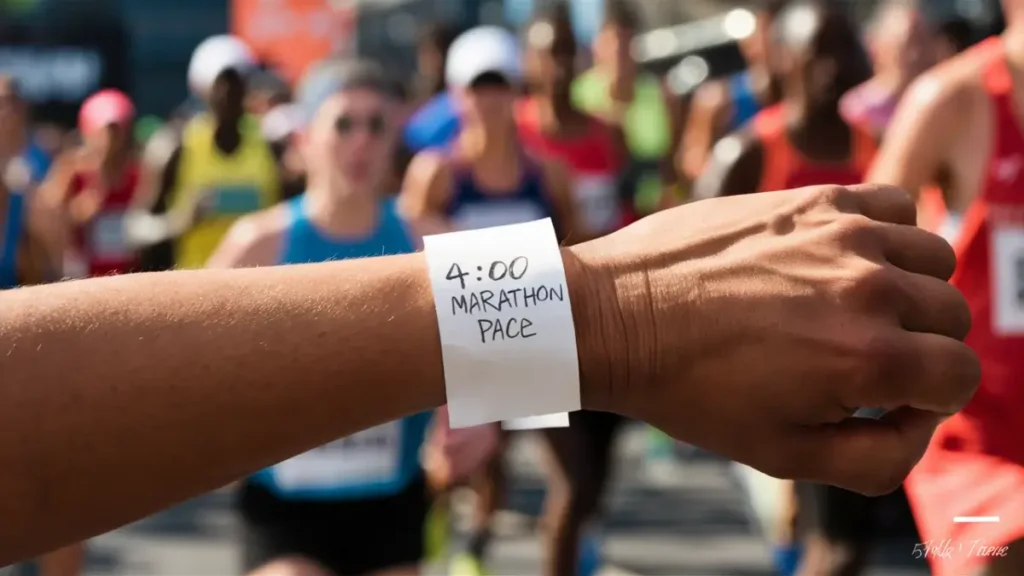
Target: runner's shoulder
255, 239
163, 145
954, 88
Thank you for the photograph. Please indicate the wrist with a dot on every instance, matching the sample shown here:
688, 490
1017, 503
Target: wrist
599, 326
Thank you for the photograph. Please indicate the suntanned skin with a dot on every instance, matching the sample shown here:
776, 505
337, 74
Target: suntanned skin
943, 134
816, 128
126, 394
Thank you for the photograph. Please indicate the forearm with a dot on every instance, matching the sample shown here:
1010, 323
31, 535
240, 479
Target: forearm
153, 388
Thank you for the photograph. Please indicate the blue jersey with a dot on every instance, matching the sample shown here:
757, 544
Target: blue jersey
10, 236
471, 207
378, 462
744, 102
434, 125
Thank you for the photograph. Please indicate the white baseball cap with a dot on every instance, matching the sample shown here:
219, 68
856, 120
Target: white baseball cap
215, 55
483, 50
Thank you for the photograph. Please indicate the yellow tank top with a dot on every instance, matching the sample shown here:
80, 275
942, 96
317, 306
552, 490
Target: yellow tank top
237, 184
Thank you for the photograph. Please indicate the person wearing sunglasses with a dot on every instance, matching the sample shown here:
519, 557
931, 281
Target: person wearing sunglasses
485, 178
358, 505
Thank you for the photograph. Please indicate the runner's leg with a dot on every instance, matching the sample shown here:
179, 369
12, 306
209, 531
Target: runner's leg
578, 466
837, 527
490, 486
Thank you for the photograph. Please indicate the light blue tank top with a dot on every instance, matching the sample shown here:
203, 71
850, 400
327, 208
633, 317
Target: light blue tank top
10, 235
374, 463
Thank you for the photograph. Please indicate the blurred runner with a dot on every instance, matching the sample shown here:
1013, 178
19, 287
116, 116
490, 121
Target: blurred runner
16, 142
216, 169
435, 122
902, 46
485, 178
617, 91
357, 505
95, 185
551, 126
804, 141
960, 124
722, 106
29, 253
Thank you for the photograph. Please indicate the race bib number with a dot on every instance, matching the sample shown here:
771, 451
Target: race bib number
477, 216
368, 457
235, 200
598, 202
1008, 278
107, 238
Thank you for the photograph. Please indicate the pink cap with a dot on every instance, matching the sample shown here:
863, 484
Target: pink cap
104, 108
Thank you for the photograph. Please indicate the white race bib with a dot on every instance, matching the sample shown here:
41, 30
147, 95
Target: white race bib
598, 201
368, 457
479, 215
107, 237
1007, 263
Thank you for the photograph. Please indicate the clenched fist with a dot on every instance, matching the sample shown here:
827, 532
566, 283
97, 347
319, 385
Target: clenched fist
756, 326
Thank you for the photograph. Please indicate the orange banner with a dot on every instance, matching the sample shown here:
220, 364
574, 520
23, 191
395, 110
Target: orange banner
291, 34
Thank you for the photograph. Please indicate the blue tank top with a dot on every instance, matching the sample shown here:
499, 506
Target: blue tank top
744, 102
10, 236
378, 462
471, 207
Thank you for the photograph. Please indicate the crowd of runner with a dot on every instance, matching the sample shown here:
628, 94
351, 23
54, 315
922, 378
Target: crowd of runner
500, 128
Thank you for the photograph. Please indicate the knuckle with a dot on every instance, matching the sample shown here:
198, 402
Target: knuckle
884, 480
838, 197
872, 286
886, 363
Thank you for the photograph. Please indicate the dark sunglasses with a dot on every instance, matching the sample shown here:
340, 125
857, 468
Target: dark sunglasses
489, 80
346, 124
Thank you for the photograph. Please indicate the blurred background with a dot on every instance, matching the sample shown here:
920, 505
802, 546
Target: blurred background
693, 513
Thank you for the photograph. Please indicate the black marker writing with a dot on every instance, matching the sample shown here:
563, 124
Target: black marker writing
503, 300
510, 329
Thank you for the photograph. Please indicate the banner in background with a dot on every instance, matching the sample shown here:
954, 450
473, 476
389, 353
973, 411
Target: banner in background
288, 35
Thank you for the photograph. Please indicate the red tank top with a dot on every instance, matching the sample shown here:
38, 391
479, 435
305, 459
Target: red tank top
102, 242
593, 160
784, 167
990, 274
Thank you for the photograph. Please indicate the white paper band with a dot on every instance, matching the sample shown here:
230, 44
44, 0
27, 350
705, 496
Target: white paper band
507, 334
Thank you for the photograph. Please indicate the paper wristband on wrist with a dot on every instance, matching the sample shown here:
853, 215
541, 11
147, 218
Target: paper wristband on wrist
508, 342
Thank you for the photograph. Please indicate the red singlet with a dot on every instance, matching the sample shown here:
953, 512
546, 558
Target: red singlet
975, 464
102, 242
594, 163
785, 168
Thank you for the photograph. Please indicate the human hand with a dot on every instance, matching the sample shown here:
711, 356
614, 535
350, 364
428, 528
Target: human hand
452, 455
755, 326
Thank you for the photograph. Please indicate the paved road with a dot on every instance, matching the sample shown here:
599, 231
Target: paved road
691, 523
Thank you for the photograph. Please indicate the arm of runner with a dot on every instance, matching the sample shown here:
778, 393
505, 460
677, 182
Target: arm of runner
204, 361
703, 128
150, 221
125, 394
426, 190
49, 218
734, 168
253, 240
917, 142
567, 221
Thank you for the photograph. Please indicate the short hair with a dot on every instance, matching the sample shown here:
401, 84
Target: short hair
958, 32
621, 14
328, 77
